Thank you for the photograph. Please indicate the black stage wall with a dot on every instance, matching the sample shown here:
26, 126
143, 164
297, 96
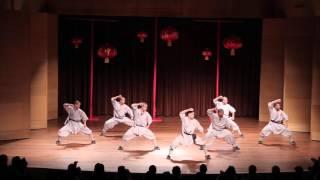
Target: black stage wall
184, 79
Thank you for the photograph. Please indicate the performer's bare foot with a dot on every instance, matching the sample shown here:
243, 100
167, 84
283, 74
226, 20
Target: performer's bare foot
168, 157
120, 148
236, 148
156, 148
208, 157
58, 142
93, 141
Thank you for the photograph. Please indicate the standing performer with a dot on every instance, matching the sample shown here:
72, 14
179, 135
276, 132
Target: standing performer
119, 114
142, 122
277, 124
227, 109
73, 124
218, 128
187, 136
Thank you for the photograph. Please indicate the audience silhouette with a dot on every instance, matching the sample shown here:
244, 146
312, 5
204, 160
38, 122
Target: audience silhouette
19, 170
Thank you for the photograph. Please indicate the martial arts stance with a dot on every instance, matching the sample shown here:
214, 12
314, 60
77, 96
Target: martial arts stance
277, 124
73, 124
227, 109
119, 114
142, 122
188, 137
219, 128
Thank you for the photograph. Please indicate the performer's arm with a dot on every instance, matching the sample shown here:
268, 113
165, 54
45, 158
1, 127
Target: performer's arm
130, 112
271, 104
233, 112
183, 112
200, 128
115, 104
216, 100
115, 97
211, 111
68, 106
135, 106
84, 118
149, 120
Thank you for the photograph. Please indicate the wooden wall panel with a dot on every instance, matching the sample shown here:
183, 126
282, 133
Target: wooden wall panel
39, 78
15, 73
272, 64
297, 72
315, 100
52, 67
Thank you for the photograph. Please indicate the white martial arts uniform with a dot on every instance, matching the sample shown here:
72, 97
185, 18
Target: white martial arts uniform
227, 109
218, 129
275, 124
142, 121
73, 123
119, 116
189, 126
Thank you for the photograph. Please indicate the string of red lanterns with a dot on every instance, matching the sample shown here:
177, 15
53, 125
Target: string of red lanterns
169, 35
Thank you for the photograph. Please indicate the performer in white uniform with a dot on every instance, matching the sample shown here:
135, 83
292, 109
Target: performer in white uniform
219, 128
188, 137
119, 114
142, 122
277, 124
227, 109
73, 124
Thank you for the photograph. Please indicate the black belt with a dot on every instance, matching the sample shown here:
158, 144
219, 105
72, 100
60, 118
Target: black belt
119, 117
74, 120
194, 136
278, 122
140, 125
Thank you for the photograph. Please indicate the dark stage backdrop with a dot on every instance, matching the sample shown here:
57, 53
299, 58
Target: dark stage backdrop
184, 79
240, 74
131, 72
73, 63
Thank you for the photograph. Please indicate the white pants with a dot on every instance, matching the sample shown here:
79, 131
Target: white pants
110, 123
138, 131
183, 140
73, 127
225, 134
275, 128
234, 125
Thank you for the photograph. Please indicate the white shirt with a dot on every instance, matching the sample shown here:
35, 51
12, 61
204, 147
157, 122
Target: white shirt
275, 115
190, 125
227, 108
218, 123
75, 114
119, 111
141, 118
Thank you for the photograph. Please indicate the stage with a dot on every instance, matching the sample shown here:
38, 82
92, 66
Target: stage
41, 150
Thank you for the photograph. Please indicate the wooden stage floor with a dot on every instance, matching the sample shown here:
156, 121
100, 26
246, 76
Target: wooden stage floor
41, 150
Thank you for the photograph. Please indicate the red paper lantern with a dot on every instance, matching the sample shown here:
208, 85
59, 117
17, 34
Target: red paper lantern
169, 34
232, 43
107, 52
206, 54
76, 42
142, 36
